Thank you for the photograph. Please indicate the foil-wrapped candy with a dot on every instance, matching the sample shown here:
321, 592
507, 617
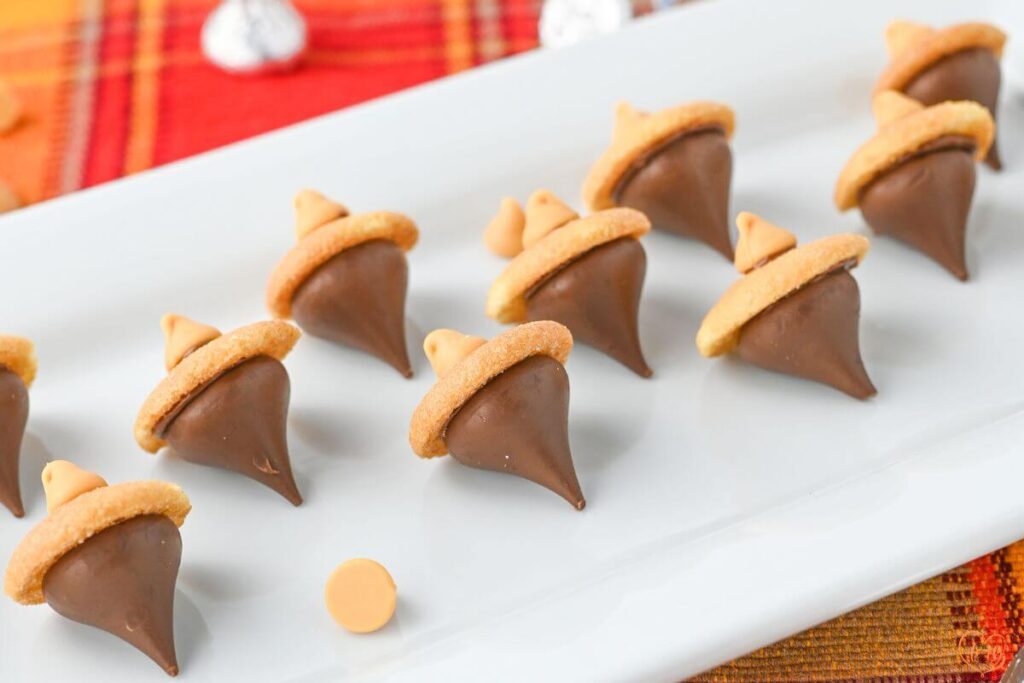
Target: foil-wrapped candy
254, 36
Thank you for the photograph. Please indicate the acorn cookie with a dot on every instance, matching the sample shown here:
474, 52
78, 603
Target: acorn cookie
796, 310
106, 556
674, 165
586, 273
959, 62
17, 370
346, 279
501, 405
915, 179
224, 402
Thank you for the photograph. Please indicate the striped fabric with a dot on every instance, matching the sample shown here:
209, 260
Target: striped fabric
961, 627
112, 87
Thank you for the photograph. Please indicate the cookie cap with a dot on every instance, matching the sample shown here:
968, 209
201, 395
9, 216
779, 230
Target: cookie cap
462, 377
905, 126
322, 237
272, 338
566, 239
80, 506
18, 355
754, 292
915, 47
637, 133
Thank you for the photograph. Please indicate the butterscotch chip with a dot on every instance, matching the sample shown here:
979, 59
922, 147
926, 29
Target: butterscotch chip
361, 595
890, 105
64, 481
272, 338
759, 289
504, 234
313, 210
638, 133
446, 348
327, 241
78, 520
18, 355
506, 300
461, 382
914, 48
544, 213
759, 241
182, 336
903, 136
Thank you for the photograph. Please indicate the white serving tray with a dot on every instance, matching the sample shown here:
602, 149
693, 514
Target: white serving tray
727, 507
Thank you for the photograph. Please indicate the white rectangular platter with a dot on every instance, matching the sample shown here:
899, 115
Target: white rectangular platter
727, 507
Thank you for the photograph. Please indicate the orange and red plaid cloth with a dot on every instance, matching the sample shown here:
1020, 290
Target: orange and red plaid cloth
112, 87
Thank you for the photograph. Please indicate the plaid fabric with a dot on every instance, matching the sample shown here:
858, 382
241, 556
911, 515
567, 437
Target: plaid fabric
117, 86
112, 87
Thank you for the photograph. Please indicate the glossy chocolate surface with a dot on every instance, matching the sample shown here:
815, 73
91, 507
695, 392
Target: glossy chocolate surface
357, 299
812, 333
13, 416
122, 581
518, 424
683, 187
238, 422
966, 75
925, 200
597, 297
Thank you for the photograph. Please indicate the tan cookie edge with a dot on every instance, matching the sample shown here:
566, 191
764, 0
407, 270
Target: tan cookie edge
905, 136
942, 43
18, 354
645, 134
272, 338
76, 521
506, 302
759, 289
326, 242
449, 393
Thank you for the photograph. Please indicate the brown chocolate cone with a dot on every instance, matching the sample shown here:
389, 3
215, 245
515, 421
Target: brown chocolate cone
518, 424
967, 75
238, 422
597, 297
13, 416
683, 187
812, 333
122, 581
924, 201
358, 299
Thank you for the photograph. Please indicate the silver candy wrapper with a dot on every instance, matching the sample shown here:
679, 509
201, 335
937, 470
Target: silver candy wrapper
564, 22
254, 36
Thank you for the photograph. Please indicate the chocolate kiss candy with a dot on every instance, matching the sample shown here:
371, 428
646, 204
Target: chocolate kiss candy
924, 201
812, 333
683, 187
597, 297
13, 416
967, 75
357, 298
122, 581
238, 422
518, 423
